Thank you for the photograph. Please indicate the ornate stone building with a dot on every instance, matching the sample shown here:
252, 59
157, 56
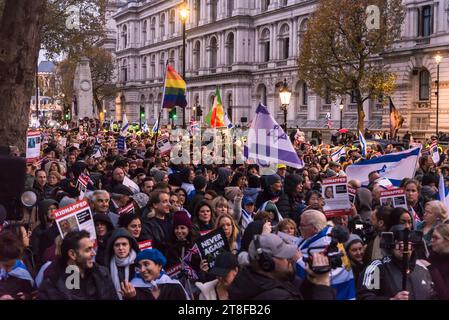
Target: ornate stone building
248, 47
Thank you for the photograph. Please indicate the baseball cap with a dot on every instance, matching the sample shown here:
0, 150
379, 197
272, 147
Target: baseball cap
281, 166
247, 200
273, 245
224, 263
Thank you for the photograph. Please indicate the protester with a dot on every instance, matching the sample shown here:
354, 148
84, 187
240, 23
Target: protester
231, 231
203, 218
439, 260
103, 230
435, 212
355, 250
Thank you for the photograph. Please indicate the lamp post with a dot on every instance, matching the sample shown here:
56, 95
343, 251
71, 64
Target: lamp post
341, 106
438, 59
184, 13
194, 111
285, 95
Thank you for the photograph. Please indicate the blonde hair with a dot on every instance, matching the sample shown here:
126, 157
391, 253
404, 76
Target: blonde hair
443, 230
218, 201
286, 222
235, 230
439, 209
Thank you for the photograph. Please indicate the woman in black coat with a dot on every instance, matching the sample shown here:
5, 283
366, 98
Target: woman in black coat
439, 260
289, 201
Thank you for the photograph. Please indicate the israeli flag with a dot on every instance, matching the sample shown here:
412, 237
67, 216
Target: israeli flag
97, 152
435, 154
111, 125
154, 129
443, 192
125, 126
393, 166
18, 271
267, 144
338, 154
145, 127
362, 143
227, 122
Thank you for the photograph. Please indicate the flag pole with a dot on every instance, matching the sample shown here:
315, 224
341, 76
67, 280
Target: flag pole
389, 116
160, 110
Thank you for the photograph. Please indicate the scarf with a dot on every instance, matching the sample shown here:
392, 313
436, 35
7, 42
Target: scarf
117, 262
138, 282
18, 271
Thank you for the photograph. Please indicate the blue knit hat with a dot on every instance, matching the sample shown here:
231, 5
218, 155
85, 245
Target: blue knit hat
152, 254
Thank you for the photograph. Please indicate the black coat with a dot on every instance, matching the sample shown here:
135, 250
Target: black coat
169, 291
97, 285
12, 286
250, 285
151, 229
419, 281
439, 270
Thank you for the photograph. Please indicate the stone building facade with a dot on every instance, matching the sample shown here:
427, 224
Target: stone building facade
248, 47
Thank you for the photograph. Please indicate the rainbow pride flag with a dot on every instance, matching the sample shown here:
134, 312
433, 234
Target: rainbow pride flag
175, 90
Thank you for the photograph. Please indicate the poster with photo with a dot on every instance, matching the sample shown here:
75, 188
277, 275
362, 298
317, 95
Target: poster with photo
394, 198
336, 197
33, 147
352, 193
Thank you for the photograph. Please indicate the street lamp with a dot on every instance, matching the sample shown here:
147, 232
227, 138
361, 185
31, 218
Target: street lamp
341, 106
438, 59
184, 14
285, 95
194, 112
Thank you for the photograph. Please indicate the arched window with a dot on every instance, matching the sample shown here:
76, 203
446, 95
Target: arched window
197, 56
284, 42
153, 67
171, 58
144, 68
197, 7
162, 25
213, 10
230, 49
213, 52
171, 30
125, 36
144, 32
162, 65
125, 70
262, 94
424, 85
151, 103
265, 45
284, 3
153, 28
230, 7
265, 4
302, 30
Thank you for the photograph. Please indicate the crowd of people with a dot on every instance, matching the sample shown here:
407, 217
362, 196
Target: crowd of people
271, 223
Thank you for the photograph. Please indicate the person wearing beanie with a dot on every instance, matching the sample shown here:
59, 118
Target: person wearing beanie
272, 190
152, 283
355, 250
200, 184
160, 176
253, 188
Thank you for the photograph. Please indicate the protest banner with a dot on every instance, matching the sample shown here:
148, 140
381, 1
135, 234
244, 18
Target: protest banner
352, 194
335, 192
163, 144
33, 150
121, 144
394, 198
211, 245
75, 217
147, 244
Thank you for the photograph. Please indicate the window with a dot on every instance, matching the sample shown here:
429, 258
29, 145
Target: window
229, 110
305, 97
213, 10
265, 5
144, 68
353, 97
284, 3
230, 49
197, 56
171, 59
125, 70
230, 7
197, 7
144, 32
153, 28
125, 37
162, 25
424, 85
265, 45
213, 52
262, 94
426, 18
153, 67
284, 42
327, 97
172, 23
162, 65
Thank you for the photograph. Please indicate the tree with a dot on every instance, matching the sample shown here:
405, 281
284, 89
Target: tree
341, 52
20, 36
26, 27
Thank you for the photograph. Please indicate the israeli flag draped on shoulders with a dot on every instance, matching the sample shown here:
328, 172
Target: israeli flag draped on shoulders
268, 144
18, 271
362, 143
246, 218
342, 280
138, 282
394, 166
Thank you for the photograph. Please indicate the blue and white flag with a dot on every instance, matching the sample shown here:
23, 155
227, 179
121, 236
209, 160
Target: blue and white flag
393, 166
435, 153
341, 152
227, 122
155, 127
267, 144
125, 126
342, 280
145, 127
443, 192
121, 144
362, 143
97, 152
18, 271
111, 125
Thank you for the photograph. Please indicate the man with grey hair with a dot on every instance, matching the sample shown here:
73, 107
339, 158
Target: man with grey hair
99, 203
315, 233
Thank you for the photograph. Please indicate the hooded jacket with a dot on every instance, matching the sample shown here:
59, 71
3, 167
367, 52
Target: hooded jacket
119, 233
102, 242
250, 285
363, 203
287, 204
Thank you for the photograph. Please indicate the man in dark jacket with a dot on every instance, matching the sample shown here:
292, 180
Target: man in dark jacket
271, 274
157, 224
77, 276
272, 190
382, 279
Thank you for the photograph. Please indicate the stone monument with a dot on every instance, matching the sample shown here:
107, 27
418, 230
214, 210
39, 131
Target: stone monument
82, 85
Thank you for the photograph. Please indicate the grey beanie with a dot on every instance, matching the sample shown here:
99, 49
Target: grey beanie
353, 238
272, 179
141, 199
65, 201
159, 175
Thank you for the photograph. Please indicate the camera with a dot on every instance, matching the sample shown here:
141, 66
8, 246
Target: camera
388, 239
364, 229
